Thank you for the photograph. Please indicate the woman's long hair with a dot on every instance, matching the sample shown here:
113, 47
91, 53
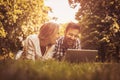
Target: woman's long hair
48, 30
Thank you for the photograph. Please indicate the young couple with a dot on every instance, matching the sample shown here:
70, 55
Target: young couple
47, 45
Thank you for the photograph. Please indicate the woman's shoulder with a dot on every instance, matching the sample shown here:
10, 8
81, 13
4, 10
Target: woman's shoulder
32, 36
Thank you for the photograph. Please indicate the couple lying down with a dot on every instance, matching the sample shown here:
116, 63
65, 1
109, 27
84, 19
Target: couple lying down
47, 45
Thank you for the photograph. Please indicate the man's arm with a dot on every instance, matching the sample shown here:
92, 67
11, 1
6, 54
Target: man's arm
78, 45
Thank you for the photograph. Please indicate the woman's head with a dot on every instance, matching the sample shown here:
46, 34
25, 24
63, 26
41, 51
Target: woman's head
49, 32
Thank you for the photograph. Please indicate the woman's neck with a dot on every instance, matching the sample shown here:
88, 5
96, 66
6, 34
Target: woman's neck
43, 50
44, 46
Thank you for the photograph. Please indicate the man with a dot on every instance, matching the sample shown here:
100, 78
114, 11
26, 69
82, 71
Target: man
70, 40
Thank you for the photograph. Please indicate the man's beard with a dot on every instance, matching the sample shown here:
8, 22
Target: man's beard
68, 43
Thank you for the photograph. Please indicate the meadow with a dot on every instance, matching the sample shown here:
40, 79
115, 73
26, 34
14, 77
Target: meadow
54, 70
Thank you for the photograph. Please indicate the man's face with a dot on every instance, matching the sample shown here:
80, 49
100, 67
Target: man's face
70, 36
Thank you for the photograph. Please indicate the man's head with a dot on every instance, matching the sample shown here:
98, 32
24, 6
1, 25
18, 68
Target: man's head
71, 33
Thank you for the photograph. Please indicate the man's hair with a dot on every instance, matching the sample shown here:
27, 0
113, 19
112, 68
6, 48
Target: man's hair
47, 30
72, 25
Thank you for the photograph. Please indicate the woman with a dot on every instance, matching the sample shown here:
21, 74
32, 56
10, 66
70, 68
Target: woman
39, 47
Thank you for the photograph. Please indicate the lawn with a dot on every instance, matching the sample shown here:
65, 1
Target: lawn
54, 70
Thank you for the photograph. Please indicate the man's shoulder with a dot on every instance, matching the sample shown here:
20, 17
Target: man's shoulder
78, 39
61, 38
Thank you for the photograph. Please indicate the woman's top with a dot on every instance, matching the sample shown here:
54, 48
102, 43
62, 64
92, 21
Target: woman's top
32, 49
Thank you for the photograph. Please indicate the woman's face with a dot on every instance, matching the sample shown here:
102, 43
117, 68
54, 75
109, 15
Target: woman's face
54, 37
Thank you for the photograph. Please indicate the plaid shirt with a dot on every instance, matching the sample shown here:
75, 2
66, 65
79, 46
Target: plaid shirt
60, 49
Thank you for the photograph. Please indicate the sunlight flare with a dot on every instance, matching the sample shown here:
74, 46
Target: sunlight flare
61, 11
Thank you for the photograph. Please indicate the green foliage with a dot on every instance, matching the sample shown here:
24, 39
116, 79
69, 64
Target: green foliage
19, 18
2, 32
53, 70
101, 25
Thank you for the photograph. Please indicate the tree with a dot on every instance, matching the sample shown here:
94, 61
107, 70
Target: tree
19, 18
101, 24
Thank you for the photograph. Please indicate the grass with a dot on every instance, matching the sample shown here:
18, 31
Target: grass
54, 70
